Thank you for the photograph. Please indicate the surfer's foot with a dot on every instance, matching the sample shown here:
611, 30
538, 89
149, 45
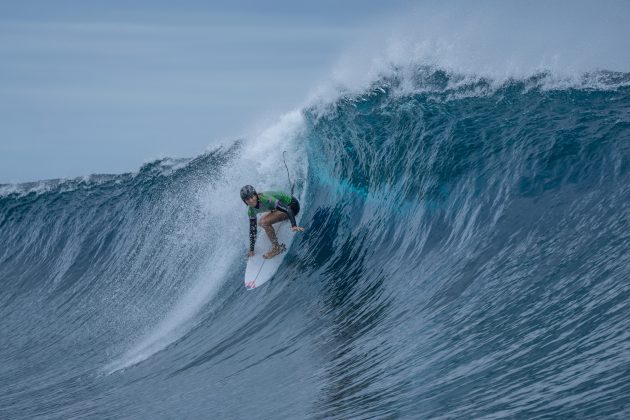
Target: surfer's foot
277, 249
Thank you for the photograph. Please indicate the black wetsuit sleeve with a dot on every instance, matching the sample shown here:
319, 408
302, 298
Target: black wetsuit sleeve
286, 209
252, 233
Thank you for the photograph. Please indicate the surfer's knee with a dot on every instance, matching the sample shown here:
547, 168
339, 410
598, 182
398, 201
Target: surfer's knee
263, 223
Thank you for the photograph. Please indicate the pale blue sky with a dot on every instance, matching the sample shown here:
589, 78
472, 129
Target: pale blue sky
103, 86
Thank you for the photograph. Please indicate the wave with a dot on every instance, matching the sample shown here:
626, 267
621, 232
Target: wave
465, 254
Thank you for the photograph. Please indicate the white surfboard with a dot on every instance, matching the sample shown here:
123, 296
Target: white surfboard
259, 270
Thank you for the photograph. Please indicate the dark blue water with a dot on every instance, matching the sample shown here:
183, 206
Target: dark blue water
466, 255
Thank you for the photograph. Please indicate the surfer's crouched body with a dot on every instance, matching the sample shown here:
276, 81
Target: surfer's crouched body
278, 206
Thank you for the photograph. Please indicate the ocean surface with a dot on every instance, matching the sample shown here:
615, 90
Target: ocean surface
466, 255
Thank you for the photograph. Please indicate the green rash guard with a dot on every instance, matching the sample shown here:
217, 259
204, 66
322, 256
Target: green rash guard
268, 201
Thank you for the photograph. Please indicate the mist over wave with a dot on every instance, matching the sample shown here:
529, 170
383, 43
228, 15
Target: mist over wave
571, 42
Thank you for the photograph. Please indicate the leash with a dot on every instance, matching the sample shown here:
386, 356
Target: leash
288, 175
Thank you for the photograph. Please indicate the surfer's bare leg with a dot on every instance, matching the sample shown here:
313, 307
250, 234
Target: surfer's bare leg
266, 223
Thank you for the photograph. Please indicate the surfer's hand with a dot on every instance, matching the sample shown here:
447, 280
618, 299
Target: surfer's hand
297, 229
250, 253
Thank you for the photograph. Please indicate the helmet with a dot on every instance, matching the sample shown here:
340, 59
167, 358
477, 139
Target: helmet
247, 191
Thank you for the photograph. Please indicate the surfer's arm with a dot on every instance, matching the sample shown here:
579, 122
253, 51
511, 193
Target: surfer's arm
252, 233
286, 209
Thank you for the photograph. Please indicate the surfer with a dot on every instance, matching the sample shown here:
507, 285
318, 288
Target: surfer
278, 206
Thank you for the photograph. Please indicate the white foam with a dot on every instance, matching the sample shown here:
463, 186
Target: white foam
260, 164
178, 320
263, 153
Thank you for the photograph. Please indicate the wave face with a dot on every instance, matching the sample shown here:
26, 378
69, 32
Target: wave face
466, 254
